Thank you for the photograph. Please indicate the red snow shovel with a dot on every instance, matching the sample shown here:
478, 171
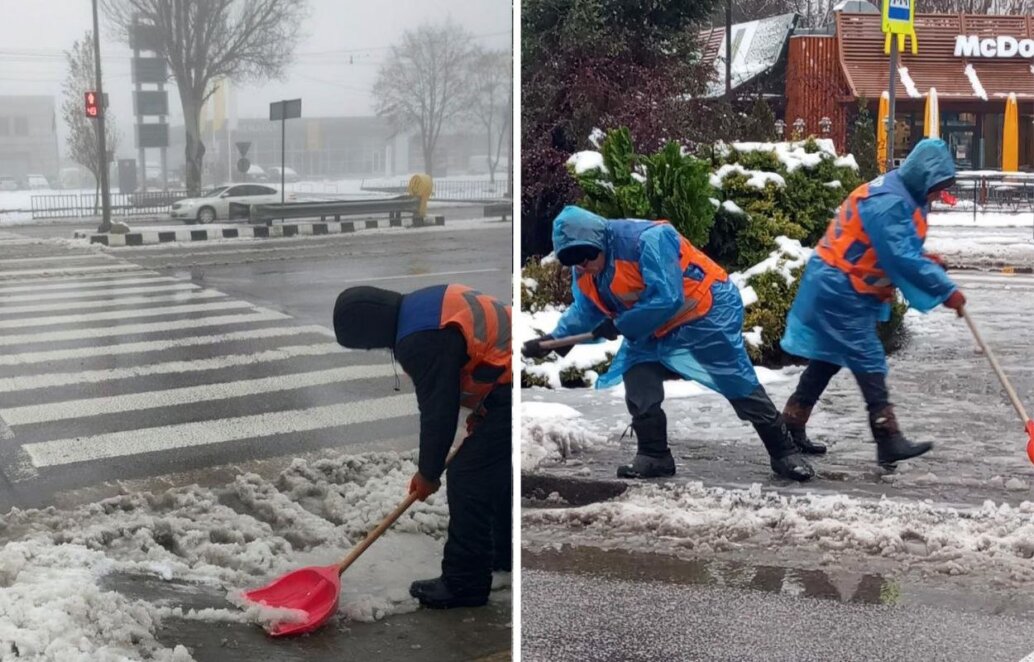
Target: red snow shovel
1029, 424
315, 589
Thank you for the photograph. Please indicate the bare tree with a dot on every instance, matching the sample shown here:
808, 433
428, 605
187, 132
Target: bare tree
82, 141
205, 40
423, 82
491, 87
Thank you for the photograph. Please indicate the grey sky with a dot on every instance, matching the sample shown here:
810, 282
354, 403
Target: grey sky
34, 34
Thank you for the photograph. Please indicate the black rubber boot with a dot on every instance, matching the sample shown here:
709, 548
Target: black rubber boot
436, 594
784, 458
891, 445
796, 417
653, 458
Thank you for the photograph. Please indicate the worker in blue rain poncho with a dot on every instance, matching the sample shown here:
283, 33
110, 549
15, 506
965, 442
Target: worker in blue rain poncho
680, 316
873, 247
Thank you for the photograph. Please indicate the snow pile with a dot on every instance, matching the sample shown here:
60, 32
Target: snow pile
833, 184
581, 357
596, 137
941, 539
551, 432
583, 162
53, 606
530, 283
974, 81
783, 260
846, 161
910, 85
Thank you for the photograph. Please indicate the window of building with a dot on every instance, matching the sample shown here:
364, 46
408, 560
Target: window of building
21, 126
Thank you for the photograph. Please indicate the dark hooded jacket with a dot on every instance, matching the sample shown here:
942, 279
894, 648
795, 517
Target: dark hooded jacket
367, 318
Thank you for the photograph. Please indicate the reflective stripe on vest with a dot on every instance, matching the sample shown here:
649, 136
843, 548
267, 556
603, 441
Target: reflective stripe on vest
627, 286
844, 231
486, 326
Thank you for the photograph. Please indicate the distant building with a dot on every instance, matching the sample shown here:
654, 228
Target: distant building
28, 137
328, 148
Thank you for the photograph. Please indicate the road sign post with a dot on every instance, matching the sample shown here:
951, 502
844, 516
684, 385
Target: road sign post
898, 23
283, 111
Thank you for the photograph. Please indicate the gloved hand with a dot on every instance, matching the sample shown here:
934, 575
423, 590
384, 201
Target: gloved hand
936, 259
423, 487
533, 349
956, 301
606, 329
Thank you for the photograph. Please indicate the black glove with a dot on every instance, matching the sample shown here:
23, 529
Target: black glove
533, 349
606, 330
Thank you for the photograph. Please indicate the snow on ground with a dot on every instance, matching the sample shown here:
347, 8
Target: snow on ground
993, 539
982, 219
552, 432
52, 605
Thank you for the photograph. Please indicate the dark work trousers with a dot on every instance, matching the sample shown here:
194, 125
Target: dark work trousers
644, 393
817, 375
479, 493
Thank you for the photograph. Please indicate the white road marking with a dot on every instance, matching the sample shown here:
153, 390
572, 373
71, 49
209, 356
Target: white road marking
45, 413
104, 257
205, 433
181, 297
76, 283
262, 315
64, 271
107, 290
157, 345
50, 380
121, 314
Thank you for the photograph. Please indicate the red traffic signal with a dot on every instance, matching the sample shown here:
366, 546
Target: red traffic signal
92, 107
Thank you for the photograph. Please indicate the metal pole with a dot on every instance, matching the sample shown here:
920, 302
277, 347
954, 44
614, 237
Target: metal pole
890, 106
728, 50
102, 146
283, 150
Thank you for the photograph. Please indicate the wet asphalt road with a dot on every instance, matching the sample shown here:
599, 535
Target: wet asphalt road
190, 361
581, 616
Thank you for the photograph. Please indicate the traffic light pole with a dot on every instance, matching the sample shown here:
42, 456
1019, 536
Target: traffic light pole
102, 145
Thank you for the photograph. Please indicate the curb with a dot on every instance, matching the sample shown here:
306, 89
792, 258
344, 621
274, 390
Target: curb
248, 231
993, 268
575, 491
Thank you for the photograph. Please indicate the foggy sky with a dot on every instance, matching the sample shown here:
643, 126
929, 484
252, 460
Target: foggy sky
34, 34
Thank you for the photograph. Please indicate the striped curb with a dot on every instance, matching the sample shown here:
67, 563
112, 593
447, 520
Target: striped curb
992, 268
248, 231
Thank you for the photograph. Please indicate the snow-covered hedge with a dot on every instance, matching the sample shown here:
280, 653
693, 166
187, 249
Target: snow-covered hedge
767, 190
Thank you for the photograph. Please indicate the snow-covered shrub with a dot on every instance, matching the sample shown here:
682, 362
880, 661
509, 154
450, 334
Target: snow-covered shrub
783, 189
669, 185
544, 283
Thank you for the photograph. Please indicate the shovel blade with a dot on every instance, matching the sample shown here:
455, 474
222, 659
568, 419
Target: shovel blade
313, 590
1030, 441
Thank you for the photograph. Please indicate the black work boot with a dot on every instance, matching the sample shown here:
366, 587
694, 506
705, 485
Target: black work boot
891, 445
436, 594
784, 458
653, 458
796, 417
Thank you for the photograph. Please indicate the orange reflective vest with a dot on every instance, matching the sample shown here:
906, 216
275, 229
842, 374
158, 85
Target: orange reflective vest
485, 324
627, 284
847, 247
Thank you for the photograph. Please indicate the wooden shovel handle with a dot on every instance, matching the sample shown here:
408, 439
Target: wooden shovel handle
997, 368
387, 522
565, 342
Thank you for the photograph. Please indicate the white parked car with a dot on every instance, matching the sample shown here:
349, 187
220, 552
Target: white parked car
37, 182
214, 204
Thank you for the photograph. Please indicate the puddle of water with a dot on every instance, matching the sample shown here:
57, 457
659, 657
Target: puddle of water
826, 584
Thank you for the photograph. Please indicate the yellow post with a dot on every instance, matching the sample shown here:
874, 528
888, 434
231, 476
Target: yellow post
421, 186
1010, 136
881, 132
932, 116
